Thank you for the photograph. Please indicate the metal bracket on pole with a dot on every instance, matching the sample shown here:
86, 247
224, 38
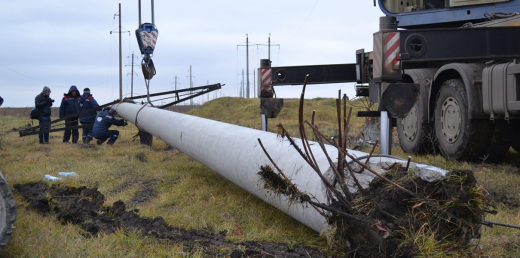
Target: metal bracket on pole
386, 134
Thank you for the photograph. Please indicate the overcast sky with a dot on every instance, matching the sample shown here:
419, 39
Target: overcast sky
62, 43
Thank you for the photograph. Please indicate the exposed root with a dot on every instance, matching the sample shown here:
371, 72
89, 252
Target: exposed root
398, 215
279, 185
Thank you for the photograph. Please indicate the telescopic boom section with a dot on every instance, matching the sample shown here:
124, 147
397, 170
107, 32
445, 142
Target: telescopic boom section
235, 153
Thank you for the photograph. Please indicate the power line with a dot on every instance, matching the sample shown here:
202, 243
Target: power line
304, 21
30, 77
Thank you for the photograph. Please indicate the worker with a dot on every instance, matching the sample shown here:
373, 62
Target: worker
43, 103
70, 106
103, 121
87, 120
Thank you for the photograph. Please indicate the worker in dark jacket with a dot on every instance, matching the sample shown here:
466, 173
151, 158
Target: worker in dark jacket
104, 120
43, 103
87, 120
69, 106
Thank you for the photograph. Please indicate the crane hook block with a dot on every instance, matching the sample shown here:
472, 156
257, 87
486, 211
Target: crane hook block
147, 35
148, 68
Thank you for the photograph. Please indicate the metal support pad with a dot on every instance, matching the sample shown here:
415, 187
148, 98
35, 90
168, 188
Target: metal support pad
271, 107
399, 98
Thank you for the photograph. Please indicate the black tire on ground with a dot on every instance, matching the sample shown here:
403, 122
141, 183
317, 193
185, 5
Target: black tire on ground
457, 136
415, 136
7, 212
515, 141
499, 141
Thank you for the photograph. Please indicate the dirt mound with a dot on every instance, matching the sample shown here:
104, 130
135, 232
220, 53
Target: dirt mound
84, 207
398, 215
447, 213
506, 198
14, 129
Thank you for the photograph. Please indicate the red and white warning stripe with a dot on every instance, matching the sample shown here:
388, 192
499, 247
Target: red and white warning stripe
149, 39
391, 50
266, 76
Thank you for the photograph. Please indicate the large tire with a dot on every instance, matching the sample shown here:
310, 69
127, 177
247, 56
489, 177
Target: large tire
415, 131
457, 136
7, 212
415, 136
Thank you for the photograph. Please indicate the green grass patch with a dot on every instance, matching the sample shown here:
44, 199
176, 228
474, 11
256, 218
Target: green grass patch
191, 196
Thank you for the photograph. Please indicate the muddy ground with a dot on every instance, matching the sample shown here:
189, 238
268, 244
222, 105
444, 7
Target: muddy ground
84, 207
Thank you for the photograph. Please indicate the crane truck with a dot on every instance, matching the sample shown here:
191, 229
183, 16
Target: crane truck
444, 72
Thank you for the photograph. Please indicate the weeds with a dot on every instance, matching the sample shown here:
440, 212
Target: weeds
397, 215
185, 198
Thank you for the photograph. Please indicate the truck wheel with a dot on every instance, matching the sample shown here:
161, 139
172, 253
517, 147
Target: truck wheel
7, 212
457, 136
414, 135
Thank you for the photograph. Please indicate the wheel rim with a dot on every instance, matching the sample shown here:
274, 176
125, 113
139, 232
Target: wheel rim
409, 125
451, 120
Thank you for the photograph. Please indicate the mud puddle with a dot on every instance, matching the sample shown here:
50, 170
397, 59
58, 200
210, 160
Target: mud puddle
84, 207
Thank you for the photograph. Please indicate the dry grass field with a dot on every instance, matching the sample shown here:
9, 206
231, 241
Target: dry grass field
160, 181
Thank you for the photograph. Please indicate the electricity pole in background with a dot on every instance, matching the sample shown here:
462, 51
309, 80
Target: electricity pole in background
207, 83
242, 95
247, 62
120, 59
120, 55
191, 86
175, 82
132, 73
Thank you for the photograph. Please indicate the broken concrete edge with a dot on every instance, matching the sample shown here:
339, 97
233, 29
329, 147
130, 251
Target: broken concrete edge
425, 172
381, 166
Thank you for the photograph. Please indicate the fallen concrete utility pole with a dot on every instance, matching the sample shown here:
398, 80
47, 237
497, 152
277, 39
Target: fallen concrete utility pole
234, 152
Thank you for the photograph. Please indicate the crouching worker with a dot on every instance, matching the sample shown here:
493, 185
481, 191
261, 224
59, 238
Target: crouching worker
103, 121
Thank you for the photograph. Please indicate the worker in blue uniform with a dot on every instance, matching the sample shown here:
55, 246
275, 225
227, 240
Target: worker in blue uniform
103, 121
